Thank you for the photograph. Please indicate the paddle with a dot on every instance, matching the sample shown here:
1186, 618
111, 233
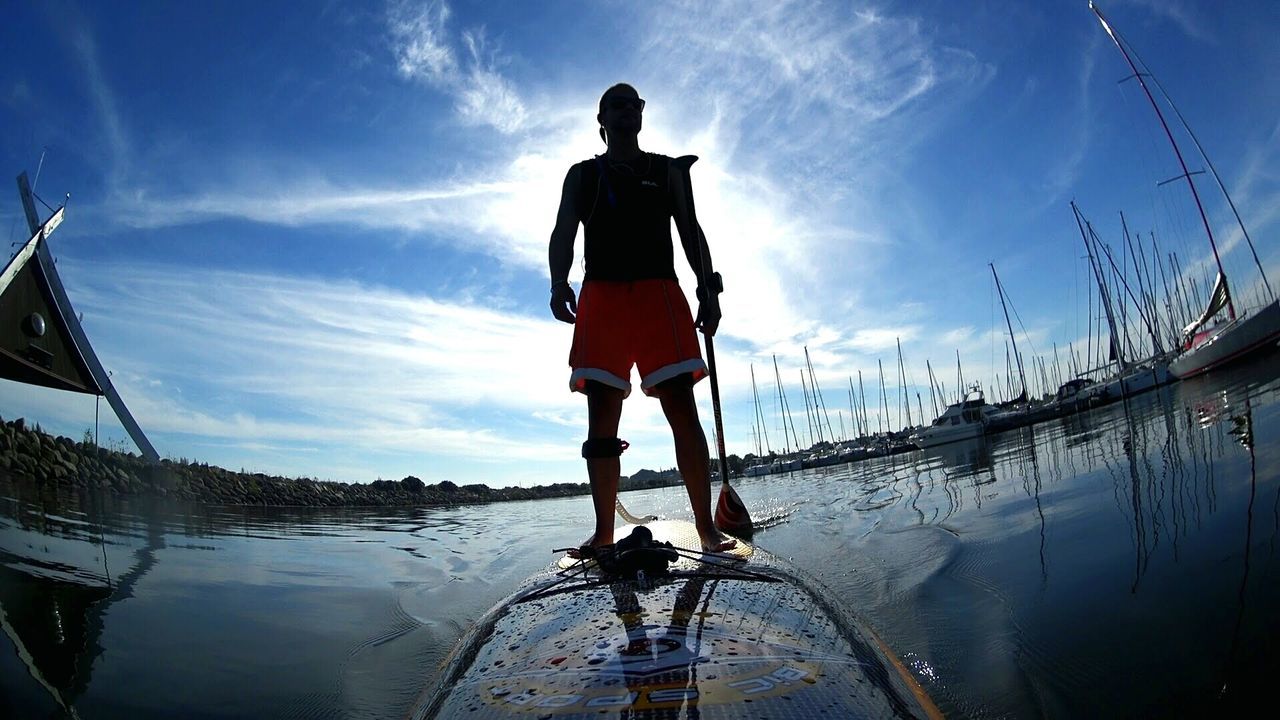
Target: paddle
731, 514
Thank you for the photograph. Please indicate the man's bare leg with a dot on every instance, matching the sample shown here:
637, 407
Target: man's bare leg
604, 409
693, 458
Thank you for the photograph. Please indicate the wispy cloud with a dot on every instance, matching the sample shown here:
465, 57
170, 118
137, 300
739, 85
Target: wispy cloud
115, 138
1180, 13
244, 362
423, 49
1062, 179
426, 50
830, 76
874, 340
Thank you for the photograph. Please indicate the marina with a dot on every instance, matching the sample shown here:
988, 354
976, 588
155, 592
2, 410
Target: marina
1165, 350
1047, 487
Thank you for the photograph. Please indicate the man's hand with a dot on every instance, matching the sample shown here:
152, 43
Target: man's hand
708, 315
564, 304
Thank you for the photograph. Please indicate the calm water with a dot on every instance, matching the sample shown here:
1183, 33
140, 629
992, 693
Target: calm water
1121, 563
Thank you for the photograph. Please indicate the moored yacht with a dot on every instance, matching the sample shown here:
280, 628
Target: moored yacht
1207, 349
961, 421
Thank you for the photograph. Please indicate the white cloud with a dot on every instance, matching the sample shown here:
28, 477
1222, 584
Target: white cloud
424, 50
880, 339
422, 47
336, 379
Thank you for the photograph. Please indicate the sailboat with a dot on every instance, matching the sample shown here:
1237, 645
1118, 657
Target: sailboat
1204, 349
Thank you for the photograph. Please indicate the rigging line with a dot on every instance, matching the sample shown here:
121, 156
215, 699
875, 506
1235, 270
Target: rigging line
42, 202
1025, 334
1204, 219
1212, 170
39, 166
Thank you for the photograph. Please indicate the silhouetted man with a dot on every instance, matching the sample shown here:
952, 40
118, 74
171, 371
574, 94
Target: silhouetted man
631, 310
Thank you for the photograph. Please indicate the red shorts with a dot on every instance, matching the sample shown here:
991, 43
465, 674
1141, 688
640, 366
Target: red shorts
645, 323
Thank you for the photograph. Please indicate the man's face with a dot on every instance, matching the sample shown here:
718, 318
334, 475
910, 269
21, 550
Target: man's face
623, 112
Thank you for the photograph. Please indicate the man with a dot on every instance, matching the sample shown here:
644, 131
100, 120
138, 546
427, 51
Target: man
631, 310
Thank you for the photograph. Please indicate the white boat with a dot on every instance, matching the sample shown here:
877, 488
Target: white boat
962, 421
786, 464
1132, 380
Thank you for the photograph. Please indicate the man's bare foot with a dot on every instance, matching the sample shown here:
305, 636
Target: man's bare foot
716, 541
581, 551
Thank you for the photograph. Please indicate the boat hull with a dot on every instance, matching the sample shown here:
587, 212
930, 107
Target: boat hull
1230, 342
942, 436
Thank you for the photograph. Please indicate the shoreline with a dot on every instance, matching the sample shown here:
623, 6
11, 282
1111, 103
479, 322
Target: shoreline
61, 464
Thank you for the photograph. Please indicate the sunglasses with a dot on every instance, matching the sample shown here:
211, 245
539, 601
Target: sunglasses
619, 102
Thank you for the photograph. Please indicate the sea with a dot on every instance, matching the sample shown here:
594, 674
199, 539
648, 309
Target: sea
1117, 563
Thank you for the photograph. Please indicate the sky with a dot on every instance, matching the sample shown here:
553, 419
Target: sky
309, 239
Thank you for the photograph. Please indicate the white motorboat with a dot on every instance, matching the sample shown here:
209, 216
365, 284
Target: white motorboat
962, 421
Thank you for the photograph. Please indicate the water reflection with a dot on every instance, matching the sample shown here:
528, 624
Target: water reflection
1102, 553
1118, 562
57, 586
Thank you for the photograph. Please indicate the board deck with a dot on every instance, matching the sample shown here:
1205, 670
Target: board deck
725, 639
683, 535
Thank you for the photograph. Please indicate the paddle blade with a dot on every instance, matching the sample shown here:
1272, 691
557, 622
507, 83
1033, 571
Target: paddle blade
731, 514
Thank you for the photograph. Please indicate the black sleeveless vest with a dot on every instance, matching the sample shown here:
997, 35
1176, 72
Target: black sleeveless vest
627, 217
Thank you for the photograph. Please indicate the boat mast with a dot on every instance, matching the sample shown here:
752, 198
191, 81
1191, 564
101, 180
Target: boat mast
853, 418
1216, 178
1186, 174
1169, 308
818, 400
902, 389
1122, 284
862, 398
786, 408
1022, 375
759, 414
1146, 288
933, 397
1096, 266
804, 389
883, 397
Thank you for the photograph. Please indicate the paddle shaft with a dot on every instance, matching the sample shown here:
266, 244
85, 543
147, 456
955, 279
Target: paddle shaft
715, 409
704, 271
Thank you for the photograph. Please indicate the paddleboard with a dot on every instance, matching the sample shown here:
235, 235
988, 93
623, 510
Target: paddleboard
714, 637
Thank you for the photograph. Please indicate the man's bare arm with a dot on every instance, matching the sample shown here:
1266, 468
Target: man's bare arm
694, 243
691, 237
564, 305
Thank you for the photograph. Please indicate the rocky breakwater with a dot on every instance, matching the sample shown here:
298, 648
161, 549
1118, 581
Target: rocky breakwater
61, 464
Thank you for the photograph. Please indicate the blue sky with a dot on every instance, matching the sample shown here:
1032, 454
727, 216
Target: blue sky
310, 238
